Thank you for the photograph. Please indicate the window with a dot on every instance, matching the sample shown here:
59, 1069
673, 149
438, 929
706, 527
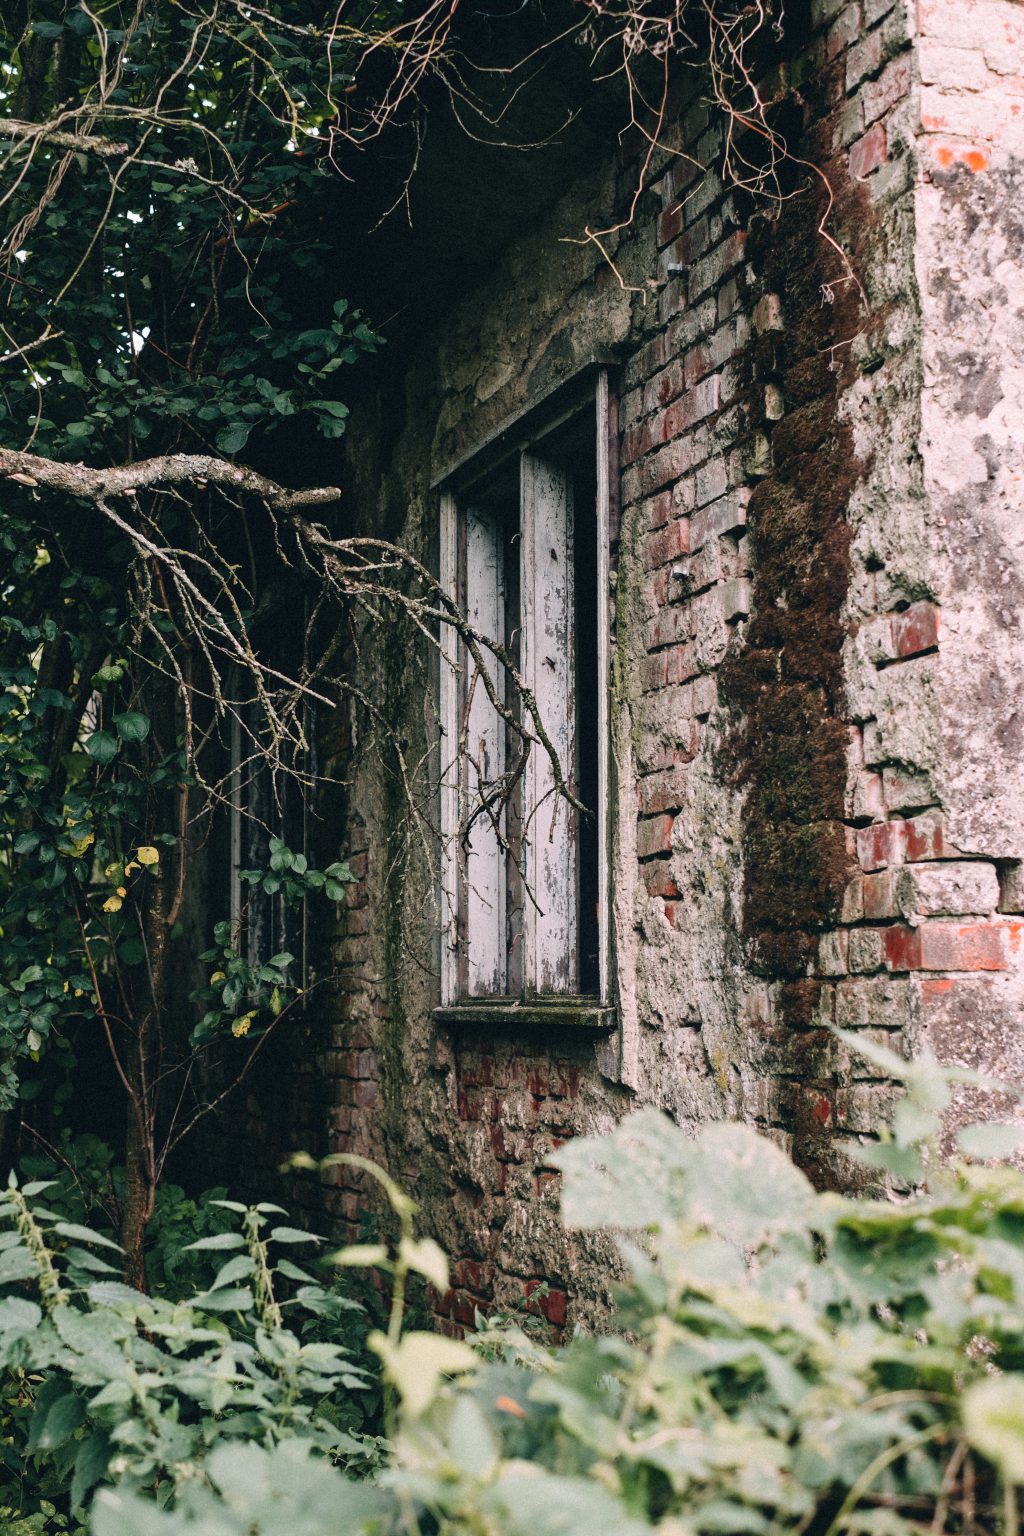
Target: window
524, 550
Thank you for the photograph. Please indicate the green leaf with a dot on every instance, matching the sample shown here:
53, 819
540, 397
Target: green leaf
427, 1258
219, 1240
358, 1256
293, 1235
18, 1315
232, 439
90, 1465
474, 1447
111, 1293
57, 1423
416, 1365
238, 1268
102, 746
132, 726
993, 1415
228, 1300
80, 1234
292, 1271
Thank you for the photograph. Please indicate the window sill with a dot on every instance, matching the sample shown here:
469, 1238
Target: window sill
575, 1013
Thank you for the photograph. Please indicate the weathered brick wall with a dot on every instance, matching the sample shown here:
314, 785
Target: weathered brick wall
948, 734
819, 815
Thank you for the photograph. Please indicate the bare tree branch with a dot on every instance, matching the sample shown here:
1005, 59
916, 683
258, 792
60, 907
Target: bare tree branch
89, 143
196, 469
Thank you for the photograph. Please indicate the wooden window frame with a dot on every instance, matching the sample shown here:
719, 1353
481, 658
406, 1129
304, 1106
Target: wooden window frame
523, 442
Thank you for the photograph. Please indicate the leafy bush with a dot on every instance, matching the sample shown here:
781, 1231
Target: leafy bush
781, 1361
113, 1384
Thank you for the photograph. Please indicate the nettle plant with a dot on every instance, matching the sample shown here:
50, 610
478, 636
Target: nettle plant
780, 1361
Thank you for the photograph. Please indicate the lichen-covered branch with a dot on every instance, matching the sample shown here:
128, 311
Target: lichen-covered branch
172, 469
34, 133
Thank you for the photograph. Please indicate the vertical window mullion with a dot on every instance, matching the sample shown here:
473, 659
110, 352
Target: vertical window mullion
547, 607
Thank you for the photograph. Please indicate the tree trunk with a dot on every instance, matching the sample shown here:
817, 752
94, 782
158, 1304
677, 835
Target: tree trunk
146, 1051
138, 1197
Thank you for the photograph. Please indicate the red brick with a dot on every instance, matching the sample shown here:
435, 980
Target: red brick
665, 386
868, 153
470, 1275
669, 225
942, 946
703, 400
669, 544
668, 464
341, 1119
654, 836
878, 896
654, 671
916, 629
926, 838
553, 1305
681, 664
891, 87
864, 58
566, 1079
640, 438
476, 1071
671, 626
882, 844
464, 1309
845, 31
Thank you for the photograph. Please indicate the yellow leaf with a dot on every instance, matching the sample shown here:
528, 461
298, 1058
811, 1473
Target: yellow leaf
113, 872
242, 1026
147, 856
122, 892
113, 904
217, 976
129, 867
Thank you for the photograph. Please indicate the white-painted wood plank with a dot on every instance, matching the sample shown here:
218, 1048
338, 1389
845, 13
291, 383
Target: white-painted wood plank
547, 588
484, 763
449, 755
605, 447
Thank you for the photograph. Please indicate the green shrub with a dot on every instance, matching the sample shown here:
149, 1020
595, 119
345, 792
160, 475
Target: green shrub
782, 1361
113, 1385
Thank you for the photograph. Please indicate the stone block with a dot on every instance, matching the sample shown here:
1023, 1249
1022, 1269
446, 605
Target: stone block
960, 887
865, 950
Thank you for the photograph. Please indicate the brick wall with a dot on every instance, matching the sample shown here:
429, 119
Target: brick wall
818, 807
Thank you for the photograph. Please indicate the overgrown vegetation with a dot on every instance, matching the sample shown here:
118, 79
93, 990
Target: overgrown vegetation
780, 1361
